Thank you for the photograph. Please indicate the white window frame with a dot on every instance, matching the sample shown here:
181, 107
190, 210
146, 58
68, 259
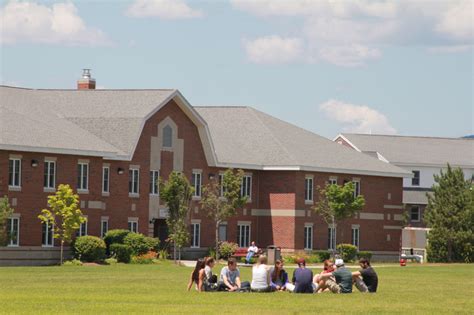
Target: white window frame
81, 186
133, 225
49, 233
10, 223
196, 179
47, 176
219, 232
418, 178
14, 177
154, 183
134, 179
419, 213
355, 235
105, 178
356, 182
332, 180
242, 239
102, 221
331, 237
195, 237
246, 187
79, 232
221, 185
309, 190
308, 237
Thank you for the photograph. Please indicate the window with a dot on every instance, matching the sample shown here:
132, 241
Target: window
167, 137
154, 182
332, 180
197, 182
331, 238
133, 180
82, 230
415, 214
355, 236
49, 174
415, 181
308, 237
222, 232
105, 179
356, 187
246, 187
13, 230
82, 176
195, 235
104, 227
14, 173
308, 192
221, 185
47, 235
133, 226
243, 235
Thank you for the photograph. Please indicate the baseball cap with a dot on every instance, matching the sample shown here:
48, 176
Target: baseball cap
301, 261
339, 262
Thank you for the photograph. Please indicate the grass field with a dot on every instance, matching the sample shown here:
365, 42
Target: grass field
161, 288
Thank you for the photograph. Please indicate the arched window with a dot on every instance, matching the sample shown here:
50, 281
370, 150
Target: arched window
167, 137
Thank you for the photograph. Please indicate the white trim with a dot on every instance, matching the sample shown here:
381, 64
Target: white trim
104, 167
310, 239
102, 220
348, 142
13, 187
198, 245
18, 231
244, 222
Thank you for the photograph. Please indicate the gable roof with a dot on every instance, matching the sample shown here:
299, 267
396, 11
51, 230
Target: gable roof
411, 150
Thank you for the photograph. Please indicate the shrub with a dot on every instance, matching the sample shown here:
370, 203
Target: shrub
89, 248
227, 249
323, 255
212, 252
74, 262
122, 252
163, 254
140, 244
115, 237
147, 258
289, 259
313, 258
348, 252
111, 261
364, 254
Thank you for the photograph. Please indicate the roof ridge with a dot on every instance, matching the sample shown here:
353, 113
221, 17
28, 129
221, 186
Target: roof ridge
221, 106
402, 136
71, 90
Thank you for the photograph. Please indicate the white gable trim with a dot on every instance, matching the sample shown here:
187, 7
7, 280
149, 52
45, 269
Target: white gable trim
348, 142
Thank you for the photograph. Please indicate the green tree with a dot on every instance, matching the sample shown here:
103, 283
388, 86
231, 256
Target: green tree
63, 215
5, 212
450, 215
337, 203
221, 203
177, 194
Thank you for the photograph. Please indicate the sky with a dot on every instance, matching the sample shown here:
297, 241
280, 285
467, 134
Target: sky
387, 67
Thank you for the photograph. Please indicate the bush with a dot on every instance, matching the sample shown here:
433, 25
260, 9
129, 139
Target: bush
323, 255
121, 252
364, 254
74, 262
163, 254
148, 258
348, 252
313, 259
141, 244
115, 237
227, 249
111, 261
89, 248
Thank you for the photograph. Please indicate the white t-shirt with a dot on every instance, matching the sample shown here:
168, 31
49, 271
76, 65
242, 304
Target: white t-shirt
260, 277
208, 272
253, 249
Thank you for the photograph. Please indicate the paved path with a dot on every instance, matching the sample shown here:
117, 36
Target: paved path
192, 263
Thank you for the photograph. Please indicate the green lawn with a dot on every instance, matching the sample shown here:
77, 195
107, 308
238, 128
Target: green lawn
162, 289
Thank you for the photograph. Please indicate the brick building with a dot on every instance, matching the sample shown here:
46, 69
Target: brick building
112, 145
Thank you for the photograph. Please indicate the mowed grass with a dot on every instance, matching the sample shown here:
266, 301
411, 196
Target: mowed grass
139, 289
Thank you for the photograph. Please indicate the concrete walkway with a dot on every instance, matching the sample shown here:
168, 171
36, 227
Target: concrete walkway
192, 263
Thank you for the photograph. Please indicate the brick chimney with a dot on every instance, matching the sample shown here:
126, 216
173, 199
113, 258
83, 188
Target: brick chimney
86, 82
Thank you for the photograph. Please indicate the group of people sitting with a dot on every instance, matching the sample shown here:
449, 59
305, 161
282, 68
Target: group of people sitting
335, 277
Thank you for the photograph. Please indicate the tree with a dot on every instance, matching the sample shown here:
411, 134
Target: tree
337, 203
5, 213
450, 215
64, 215
221, 200
177, 194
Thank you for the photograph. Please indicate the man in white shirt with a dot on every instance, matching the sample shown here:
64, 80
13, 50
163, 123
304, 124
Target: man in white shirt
251, 252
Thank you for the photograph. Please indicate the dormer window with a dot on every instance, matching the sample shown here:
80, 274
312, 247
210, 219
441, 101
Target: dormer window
167, 136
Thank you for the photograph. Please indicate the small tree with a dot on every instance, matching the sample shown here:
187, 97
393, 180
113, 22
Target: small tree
177, 194
63, 215
5, 212
337, 203
221, 203
450, 215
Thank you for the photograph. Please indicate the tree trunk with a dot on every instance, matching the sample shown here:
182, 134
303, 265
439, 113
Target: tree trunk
450, 250
174, 251
334, 230
217, 239
179, 254
62, 251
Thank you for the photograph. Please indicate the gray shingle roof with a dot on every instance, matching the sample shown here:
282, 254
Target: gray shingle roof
417, 150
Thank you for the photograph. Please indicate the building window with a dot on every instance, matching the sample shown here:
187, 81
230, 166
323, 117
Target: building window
133, 180
197, 182
355, 236
415, 214
196, 235
415, 181
308, 237
221, 185
13, 230
222, 232
356, 187
47, 235
104, 227
167, 136
154, 182
331, 238
49, 174
105, 179
246, 187
14, 173
83, 176
243, 235
332, 180
133, 226
82, 230
308, 192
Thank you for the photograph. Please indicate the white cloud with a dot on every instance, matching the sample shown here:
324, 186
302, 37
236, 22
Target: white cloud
165, 9
273, 49
58, 24
458, 21
348, 56
357, 118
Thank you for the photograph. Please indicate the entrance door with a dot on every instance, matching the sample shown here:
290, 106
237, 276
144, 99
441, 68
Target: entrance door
161, 231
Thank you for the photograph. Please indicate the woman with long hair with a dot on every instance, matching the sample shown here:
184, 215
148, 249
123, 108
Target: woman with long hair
200, 264
319, 285
278, 276
261, 276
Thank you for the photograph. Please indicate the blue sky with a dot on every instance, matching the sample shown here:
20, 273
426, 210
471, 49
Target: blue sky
403, 67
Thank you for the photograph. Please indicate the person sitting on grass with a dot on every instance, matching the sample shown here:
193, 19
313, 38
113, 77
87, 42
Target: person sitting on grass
200, 264
251, 251
230, 277
369, 281
207, 281
278, 276
260, 276
342, 276
318, 283
302, 278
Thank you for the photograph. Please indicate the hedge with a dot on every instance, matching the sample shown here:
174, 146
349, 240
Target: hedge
89, 248
122, 252
141, 244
